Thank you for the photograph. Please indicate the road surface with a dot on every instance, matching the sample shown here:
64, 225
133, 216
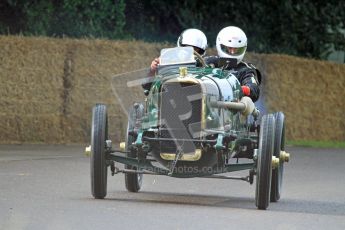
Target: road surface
48, 187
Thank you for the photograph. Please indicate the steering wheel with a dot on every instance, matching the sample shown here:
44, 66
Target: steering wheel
199, 57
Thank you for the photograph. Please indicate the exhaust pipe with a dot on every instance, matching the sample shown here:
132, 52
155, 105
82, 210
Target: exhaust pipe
245, 106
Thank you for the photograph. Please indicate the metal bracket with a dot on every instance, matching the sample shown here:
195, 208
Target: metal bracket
219, 144
139, 140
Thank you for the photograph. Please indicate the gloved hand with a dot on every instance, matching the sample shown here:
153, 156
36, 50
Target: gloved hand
246, 90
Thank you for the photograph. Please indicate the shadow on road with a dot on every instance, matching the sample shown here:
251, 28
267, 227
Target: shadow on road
183, 199
284, 205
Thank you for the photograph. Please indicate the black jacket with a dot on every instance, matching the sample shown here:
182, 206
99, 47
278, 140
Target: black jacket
246, 74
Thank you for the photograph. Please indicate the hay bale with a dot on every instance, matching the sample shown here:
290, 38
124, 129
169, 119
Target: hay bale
49, 86
310, 94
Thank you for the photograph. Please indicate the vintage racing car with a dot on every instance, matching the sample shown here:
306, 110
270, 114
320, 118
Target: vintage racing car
192, 122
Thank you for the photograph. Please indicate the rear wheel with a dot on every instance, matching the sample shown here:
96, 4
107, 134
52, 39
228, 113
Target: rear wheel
264, 162
99, 134
133, 180
279, 145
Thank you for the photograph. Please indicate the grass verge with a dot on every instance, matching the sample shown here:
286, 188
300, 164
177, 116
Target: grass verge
317, 144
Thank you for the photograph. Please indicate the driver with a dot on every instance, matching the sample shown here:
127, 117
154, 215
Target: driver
189, 37
232, 43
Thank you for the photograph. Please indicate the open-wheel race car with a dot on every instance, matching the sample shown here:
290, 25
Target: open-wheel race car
191, 122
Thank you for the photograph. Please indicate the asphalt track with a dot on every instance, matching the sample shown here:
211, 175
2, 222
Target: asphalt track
48, 187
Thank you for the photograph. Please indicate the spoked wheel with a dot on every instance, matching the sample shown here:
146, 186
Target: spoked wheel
264, 162
279, 145
133, 180
99, 134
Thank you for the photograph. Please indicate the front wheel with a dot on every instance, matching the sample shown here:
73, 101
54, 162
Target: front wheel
133, 180
264, 162
99, 134
279, 145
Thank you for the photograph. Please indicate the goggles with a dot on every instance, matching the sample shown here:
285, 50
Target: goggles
234, 51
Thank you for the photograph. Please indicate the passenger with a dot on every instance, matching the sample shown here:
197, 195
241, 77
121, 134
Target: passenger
189, 37
232, 43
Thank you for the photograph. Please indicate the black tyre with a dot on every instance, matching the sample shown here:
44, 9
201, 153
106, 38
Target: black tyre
264, 162
133, 180
99, 134
279, 145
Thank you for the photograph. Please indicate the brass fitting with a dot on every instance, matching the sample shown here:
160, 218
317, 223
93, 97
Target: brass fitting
123, 146
88, 151
284, 156
185, 157
183, 71
275, 162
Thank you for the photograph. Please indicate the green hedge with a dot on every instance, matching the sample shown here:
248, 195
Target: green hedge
305, 28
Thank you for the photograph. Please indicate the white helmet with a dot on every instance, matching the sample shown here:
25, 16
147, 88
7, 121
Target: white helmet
231, 43
195, 38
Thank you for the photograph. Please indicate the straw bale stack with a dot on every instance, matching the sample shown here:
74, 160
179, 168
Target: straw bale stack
48, 88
